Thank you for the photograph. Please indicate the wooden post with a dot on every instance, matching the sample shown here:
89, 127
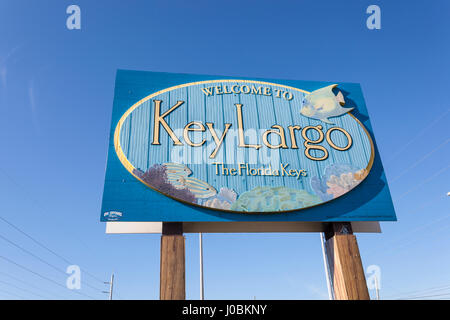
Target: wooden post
347, 273
172, 271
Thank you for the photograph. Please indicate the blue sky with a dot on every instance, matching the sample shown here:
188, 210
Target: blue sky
56, 92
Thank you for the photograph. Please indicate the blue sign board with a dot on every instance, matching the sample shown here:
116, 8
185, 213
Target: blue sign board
214, 148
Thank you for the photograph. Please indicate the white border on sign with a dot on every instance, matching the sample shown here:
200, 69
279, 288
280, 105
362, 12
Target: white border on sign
237, 227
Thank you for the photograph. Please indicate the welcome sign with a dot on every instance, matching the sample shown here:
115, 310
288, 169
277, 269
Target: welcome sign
203, 148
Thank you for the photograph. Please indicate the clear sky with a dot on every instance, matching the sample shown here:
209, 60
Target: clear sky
56, 93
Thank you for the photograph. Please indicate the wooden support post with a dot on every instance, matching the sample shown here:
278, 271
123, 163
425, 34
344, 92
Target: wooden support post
347, 273
172, 271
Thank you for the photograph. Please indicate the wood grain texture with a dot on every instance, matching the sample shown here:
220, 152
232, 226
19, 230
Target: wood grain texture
259, 114
172, 271
125, 194
346, 268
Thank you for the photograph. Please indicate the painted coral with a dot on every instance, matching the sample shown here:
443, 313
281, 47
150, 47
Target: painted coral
217, 204
272, 199
156, 177
223, 200
337, 180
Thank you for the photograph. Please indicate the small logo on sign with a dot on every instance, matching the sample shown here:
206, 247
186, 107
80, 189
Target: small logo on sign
113, 215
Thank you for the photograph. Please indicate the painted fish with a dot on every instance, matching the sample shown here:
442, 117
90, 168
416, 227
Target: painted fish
177, 168
199, 188
176, 180
176, 171
322, 104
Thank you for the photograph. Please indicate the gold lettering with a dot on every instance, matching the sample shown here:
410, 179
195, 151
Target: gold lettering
224, 171
292, 135
256, 91
216, 138
225, 90
288, 96
241, 166
280, 133
283, 169
208, 91
188, 128
217, 164
309, 146
241, 129
159, 119
349, 139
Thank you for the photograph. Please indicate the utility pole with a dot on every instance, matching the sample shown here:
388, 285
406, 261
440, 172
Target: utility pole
325, 264
377, 290
172, 284
201, 267
344, 261
111, 285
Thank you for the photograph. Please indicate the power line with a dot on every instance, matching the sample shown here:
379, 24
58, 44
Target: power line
391, 249
44, 277
22, 289
435, 233
48, 249
426, 294
414, 231
404, 235
420, 160
421, 297
43, 261
427, 204
424, 182
41, 244
33, 239
12, 294
32, 254
423, 291
399, 151
29, 284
